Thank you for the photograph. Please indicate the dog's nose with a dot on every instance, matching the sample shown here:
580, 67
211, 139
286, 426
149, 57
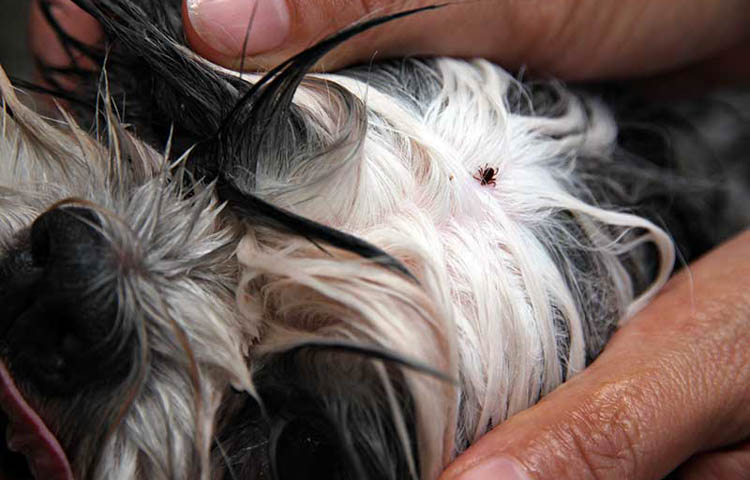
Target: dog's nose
66, 236
62, 309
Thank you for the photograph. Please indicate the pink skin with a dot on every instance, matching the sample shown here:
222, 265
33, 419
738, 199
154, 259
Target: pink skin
29, 435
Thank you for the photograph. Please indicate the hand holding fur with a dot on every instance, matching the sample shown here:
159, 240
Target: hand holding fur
622, 405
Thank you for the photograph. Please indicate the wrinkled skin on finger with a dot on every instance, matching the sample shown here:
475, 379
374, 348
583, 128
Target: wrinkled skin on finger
673, 383
571, 39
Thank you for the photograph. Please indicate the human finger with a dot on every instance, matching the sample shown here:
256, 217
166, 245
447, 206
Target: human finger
731, 463
573, 39
673, 382
44, 41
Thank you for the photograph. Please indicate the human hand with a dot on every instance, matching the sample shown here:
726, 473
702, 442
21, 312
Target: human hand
43, 40
673, 385
707, 40
570, 39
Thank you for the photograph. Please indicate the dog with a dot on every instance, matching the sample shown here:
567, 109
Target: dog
209, 275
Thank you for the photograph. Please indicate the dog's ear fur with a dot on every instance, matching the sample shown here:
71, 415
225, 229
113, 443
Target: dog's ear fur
168, 92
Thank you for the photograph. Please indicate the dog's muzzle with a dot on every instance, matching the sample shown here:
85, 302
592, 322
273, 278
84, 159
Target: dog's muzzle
58, 305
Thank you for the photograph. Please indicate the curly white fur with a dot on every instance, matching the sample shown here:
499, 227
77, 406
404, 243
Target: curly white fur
494, 307
489, 288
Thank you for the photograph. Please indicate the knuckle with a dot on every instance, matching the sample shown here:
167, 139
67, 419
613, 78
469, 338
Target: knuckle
605, 432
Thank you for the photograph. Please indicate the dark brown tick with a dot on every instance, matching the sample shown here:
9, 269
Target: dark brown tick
486, 175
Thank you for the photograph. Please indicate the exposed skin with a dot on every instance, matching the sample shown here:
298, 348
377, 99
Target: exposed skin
673, 386
43, 41
570, 39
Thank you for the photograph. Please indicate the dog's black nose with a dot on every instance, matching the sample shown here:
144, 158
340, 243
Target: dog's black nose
60, 306
68, 238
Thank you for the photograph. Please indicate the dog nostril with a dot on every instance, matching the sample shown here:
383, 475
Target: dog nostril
66, 233
60, 333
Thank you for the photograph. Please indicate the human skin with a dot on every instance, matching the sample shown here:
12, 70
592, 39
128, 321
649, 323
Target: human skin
673, 385
697, 41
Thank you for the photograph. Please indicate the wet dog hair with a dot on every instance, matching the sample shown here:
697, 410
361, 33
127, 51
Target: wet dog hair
306, 279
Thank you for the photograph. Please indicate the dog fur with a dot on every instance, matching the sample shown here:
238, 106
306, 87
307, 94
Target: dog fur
297, 275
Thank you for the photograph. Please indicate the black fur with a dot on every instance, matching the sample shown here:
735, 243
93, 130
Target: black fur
229, 121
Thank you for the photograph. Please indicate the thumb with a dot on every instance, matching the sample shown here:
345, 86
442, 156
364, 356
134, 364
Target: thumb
572, 39
672, 383
218, 30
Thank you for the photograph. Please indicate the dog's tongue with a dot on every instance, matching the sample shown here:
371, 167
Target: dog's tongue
30, 436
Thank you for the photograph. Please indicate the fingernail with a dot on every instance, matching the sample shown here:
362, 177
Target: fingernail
223, 24
495, 469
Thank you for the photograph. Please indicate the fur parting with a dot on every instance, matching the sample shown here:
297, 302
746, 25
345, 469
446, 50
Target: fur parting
492, 300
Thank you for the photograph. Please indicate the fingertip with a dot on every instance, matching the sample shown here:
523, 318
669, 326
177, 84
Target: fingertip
226, 31
492, 468
43, 40
255, 34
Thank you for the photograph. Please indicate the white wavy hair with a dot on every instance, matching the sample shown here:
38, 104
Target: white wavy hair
500, 302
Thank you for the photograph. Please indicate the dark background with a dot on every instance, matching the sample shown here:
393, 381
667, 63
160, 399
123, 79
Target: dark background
14, 55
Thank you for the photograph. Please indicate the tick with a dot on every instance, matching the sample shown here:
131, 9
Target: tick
486, 175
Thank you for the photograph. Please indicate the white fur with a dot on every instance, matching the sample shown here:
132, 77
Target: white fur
488, 293
488, 286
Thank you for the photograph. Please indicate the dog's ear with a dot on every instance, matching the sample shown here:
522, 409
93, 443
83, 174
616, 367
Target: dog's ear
165, 91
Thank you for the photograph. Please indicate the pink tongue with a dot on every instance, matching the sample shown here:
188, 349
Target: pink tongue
30, 436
